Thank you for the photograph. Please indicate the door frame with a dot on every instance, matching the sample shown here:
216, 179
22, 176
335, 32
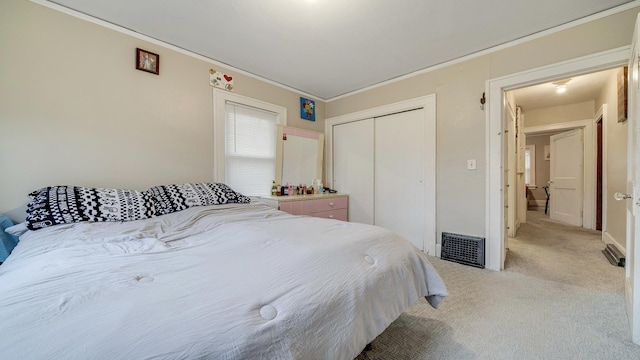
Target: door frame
602, 115
429, 104
589, 153
495, 88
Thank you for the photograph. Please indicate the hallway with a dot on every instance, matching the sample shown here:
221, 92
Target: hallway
550, 250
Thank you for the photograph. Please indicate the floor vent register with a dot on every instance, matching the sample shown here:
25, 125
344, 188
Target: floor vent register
463, 249
614, 255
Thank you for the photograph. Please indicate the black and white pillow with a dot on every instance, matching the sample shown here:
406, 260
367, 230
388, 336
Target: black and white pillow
55, 205
176, 197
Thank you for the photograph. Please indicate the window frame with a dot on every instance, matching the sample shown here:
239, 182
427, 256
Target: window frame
532, 169
220, 98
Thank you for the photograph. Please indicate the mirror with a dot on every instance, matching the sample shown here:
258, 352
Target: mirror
299, 159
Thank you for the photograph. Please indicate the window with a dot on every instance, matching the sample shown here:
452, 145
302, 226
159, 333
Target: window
530, 165
245, 142
250, 149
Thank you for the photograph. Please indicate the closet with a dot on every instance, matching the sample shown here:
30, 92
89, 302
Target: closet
386, 164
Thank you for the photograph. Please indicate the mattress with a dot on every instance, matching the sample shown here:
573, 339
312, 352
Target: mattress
241, 281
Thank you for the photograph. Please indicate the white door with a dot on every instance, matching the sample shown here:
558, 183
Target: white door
353, 167
632, 283
400, 173
565, 202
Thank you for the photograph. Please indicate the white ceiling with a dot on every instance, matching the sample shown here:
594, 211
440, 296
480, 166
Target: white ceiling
327, 48
579, 89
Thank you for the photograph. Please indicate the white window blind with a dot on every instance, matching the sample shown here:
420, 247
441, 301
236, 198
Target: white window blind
250, 149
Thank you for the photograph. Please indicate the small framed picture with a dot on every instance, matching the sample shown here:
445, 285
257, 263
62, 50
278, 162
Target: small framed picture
147, 61
622, 94
307, 109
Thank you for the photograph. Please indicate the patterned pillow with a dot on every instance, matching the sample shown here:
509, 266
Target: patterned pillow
176, 197
69, 204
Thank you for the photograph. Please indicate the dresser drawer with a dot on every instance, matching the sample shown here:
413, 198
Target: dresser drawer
321, 205
338, 214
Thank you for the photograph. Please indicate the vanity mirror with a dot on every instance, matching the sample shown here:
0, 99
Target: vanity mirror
299, 155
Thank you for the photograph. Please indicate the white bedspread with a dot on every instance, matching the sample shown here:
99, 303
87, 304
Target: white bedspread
216, 282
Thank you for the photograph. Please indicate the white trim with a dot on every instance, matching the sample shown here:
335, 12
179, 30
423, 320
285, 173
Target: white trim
220, 97
494, 119
137, 35
429, 104
555, 127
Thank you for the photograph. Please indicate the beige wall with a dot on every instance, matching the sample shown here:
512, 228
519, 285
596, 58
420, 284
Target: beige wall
616, 163
460, 122
74, 110
559, 114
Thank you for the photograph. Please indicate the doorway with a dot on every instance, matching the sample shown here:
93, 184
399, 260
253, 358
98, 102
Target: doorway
553, 113
495, 255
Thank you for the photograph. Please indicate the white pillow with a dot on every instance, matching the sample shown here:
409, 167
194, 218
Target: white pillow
17, 229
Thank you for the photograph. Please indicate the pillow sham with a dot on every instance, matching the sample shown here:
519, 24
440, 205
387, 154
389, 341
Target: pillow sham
176, 197
55, 205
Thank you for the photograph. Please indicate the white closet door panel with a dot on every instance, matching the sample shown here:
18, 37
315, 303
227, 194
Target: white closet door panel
353, 167
400, 174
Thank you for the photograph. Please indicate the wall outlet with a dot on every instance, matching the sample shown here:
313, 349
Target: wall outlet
471, 164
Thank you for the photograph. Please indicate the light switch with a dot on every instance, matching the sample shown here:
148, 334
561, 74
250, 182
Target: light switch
471, 164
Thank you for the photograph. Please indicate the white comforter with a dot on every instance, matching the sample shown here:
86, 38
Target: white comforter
216, 282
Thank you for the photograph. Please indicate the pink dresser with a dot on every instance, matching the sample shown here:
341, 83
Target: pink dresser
330, 206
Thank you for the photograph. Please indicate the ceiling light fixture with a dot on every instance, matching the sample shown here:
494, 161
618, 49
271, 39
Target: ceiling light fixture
561, 85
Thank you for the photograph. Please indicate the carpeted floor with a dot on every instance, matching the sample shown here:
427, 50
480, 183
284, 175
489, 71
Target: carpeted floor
559, 298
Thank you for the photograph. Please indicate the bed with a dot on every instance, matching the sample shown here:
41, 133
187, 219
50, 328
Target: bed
231, 280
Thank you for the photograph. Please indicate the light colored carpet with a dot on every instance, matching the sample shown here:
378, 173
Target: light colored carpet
550, 250
558, 299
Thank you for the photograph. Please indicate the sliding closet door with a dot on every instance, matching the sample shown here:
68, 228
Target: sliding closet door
400, 174
353, 167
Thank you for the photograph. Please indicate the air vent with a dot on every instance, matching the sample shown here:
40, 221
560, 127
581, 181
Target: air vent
463, 249
614, 255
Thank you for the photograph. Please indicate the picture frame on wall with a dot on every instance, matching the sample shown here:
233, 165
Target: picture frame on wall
147, 61
307, 109
622, 94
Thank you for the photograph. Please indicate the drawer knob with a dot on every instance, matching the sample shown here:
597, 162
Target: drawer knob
330, 204
330, 216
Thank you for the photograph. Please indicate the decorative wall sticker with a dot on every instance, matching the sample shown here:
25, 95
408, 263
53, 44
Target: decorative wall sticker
307, 109
220, 80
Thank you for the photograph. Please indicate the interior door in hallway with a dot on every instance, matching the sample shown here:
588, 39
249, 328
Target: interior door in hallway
566, 177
